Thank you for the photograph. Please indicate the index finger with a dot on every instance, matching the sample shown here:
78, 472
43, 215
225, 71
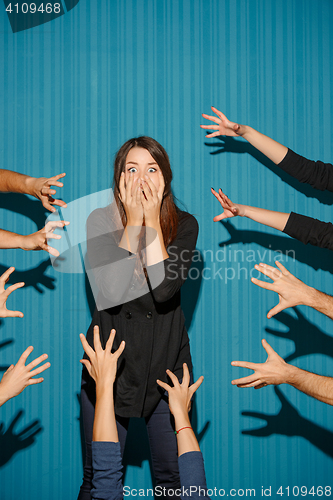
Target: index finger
86, 347
211, 118
245, 364
173, 377
5, 276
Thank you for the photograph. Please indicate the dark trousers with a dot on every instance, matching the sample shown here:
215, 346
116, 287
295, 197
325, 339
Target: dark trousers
162, 441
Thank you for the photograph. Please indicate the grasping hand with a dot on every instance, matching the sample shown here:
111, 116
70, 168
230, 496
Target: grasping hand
102, 363
38, 240
292, 291
4, 294
230, 209
151, 198
273, 372
41, 189
180, 395
223, 125
18, 377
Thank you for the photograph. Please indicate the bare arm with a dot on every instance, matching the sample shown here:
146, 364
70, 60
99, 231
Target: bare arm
270, 148
180, 403
34, 241
102, 367
276, 371
277, 220
292, 291
41, 187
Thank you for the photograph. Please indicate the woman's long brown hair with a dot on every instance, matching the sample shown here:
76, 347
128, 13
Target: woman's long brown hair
169, 211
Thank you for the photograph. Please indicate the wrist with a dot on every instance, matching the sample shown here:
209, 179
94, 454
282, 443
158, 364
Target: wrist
30, 185
245, 131
291, 374
311, 297
181, 420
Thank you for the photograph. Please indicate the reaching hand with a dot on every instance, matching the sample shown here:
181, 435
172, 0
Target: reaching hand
102, 363
130, 196
223, 125
38, 240
292, 291
4, 294
18, 377
151, 198
180, 395
273, 372
230, 209
41, 189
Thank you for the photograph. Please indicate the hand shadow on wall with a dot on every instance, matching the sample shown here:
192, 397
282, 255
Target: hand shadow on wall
288, 422
24, 205
12, 442
34, 277
3, 344
308, 338
232, 145
315, 257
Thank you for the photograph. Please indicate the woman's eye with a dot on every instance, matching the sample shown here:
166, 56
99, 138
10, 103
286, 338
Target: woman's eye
132, 169
151, 170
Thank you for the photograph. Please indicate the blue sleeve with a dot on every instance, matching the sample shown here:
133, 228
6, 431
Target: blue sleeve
192, 475
316, 173
107, 475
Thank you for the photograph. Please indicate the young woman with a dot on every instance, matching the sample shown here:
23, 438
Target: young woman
318, 174
139, 250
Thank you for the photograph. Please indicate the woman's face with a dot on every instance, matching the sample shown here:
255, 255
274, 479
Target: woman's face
139, 163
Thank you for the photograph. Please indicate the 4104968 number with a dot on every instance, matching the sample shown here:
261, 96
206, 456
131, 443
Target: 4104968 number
32, 8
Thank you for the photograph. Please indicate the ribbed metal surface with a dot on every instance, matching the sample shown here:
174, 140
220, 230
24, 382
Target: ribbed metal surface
73, 90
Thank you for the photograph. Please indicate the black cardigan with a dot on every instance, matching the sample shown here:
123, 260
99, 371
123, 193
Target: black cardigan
152, 325
320, 176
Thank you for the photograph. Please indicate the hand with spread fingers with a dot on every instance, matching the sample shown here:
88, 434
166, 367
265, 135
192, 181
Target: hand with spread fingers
223, 125
130, 196
102, 363
230, 209
39, 240
41, 188
151, 198
20, 376
292, 291
4, 294
180, 394
273, 372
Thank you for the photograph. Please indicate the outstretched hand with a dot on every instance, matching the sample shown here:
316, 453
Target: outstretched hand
180, 395
18, 377
4, 294
292, 291
230, 209
42, 189
38, 240
272, 372
102, 363
223, 125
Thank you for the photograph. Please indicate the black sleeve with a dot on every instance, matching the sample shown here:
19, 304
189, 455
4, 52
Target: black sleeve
316, 173
177, 266
308, 230
112, 267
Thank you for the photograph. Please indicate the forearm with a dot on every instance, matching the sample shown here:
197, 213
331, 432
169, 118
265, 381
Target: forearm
130, 238
317, 386
270, 148
277, 220
319, 301
155, 251
186, 439
105, 427
14, 182
10, 240
3, 396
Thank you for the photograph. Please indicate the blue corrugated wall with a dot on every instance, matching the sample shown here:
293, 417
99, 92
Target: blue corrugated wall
72, 91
